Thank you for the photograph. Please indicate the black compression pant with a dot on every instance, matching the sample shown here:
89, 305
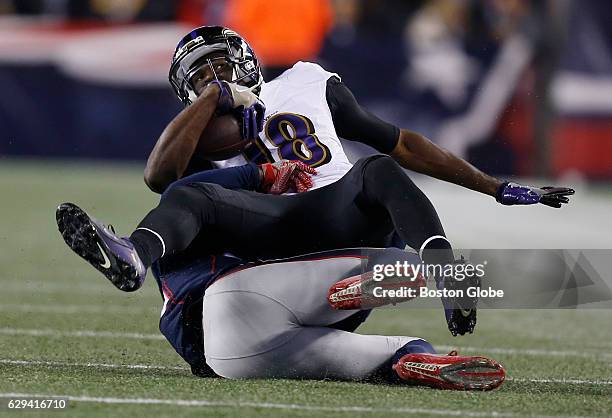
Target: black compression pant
362, 209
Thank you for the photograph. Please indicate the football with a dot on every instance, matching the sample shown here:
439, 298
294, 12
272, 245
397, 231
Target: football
221, 139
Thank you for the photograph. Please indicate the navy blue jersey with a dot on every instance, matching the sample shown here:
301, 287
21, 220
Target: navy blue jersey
183, 278
182, 282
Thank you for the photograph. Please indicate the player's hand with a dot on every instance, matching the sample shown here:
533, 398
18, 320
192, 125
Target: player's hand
239, 100
283, 176
252, 119
515, 194
232, 96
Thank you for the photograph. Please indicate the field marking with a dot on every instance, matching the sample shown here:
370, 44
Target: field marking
55, 287
563, 381
85, 333
92, 365
77, 309
68, 288
185, 368
135, 335
266, 405
529, 351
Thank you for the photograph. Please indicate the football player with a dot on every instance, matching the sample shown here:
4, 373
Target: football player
306, 110
271, 320
226, 317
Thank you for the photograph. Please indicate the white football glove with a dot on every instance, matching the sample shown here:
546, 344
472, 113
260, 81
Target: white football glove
233, 96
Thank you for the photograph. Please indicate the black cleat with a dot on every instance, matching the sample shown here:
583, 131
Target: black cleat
461, 311
113, 256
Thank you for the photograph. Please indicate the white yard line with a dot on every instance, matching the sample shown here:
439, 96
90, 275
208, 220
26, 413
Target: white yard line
77, 309
134, 335
15, 362
83, 333
529, 351
36, 287
563, 381
92, 365
264, 405
93, 287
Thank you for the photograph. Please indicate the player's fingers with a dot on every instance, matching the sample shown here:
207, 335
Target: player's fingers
302, 166
299, 187
305, 167
303, 185
287, 174
565, 191
556, 199
551, 203
260, 111
302, 175
246, 127
287, 170
304, 178
253, 123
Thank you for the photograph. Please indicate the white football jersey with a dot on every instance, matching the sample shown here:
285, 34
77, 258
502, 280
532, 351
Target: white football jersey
298, 125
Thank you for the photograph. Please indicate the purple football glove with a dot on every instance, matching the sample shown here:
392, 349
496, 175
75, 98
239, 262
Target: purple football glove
252, 120
244, 104
516, 194
226, 100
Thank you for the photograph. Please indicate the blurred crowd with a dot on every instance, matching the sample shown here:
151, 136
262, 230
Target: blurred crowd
475, 75
427, 50
284, 31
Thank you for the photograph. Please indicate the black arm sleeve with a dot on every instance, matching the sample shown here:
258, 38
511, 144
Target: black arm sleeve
355, 123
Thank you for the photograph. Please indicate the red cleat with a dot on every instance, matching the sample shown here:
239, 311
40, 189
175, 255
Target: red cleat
451, 371
363, 292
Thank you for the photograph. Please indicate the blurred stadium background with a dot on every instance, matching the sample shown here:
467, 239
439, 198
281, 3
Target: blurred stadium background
520, 88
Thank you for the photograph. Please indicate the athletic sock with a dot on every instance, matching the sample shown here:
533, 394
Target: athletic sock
148, 244
413, 347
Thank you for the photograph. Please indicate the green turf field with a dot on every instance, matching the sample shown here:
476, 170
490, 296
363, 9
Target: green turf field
65, 331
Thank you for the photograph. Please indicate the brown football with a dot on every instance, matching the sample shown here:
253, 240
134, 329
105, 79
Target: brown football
222, 139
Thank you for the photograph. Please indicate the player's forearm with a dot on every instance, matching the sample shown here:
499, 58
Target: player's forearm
245, 177
177, 143
417, 153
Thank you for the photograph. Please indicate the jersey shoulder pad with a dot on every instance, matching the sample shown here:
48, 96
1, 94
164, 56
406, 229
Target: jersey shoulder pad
307, 72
